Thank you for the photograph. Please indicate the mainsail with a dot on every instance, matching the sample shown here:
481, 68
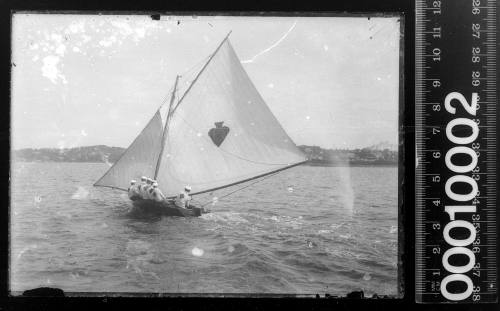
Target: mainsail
138, 160
220, 133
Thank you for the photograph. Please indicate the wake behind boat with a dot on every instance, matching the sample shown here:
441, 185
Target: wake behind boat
218, 134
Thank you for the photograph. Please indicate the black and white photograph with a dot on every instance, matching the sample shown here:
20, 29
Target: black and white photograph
205, 154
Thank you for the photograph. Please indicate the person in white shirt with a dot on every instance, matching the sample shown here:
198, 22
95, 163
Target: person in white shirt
149, 189
145, 190
133, 190
183, 199
156, 193
142, 186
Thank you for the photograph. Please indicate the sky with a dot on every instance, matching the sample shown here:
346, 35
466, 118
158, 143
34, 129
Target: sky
81, 80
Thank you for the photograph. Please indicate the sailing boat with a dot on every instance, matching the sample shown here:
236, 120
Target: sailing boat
218, 134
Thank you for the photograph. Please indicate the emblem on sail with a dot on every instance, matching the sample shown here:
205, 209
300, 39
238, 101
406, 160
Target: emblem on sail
263, 147
218, 133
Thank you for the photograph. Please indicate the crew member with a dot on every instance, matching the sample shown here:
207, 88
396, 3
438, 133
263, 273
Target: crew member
156, 193
149, 189
183, 199
145, 189
133, 190
141, 186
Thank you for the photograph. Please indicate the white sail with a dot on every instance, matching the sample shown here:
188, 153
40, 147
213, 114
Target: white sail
222, 132
138, 160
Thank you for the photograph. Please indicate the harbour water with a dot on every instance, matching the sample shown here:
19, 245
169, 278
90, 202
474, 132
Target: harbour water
307, 230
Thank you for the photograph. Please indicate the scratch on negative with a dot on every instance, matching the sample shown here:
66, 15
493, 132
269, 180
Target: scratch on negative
271, 47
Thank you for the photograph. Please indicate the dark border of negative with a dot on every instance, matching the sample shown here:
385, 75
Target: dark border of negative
406, 192
48, 291
155, 15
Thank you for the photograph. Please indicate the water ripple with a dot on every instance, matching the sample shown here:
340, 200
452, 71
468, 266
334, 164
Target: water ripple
335, 231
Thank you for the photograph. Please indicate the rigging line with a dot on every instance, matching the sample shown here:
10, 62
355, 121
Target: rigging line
165, 128
229, 153
257, 181
167, 96
195, 65
112, 187
201, 71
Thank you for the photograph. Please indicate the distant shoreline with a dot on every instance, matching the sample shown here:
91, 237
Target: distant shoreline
309, 163
352, 164
382, 154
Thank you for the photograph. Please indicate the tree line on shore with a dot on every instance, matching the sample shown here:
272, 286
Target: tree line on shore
377, 154
380, 154
100, 153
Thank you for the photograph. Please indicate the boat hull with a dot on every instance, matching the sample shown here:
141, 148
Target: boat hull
167, 208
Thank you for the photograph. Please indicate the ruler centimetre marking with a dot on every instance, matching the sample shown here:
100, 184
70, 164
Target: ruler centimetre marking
455, 128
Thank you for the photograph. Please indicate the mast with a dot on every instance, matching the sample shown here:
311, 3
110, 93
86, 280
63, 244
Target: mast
201, 71
265, 152
172, 98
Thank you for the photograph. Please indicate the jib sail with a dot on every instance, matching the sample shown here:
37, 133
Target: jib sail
138, 160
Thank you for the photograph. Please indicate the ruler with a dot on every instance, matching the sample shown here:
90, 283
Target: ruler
456, 145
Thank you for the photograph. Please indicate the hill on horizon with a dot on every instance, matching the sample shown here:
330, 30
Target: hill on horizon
384, 145
107, 154
97, 153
